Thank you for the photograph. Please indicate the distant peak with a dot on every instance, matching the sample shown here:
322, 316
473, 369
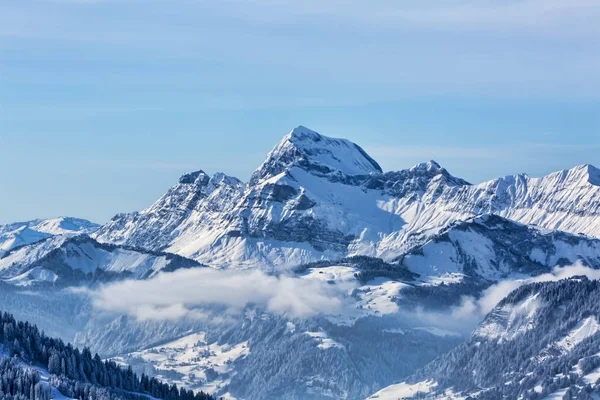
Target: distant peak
433, 164
429, 171
200, 181
315, 153
430, 165
220, 178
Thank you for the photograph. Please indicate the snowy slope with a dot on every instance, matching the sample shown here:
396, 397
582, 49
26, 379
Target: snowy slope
72, 259
23, 233
508, 321
316, 197
492, 247
403, 391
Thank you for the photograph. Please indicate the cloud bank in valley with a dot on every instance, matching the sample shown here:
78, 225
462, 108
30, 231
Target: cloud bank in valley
197, 293
465, 317
185, 293
477, 308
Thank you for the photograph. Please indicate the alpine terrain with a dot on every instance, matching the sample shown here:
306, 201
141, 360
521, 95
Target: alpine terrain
316, 197
321, 277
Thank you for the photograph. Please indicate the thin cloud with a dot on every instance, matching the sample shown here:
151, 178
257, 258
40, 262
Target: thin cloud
465, 317
406, 49
221, 296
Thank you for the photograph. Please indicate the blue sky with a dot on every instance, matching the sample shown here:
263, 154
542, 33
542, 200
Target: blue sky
104, 103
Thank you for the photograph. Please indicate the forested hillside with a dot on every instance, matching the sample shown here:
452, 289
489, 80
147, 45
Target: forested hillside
542, 340
76, 374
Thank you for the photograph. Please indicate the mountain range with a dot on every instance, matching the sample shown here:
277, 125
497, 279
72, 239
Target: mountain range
404, 253
316, 197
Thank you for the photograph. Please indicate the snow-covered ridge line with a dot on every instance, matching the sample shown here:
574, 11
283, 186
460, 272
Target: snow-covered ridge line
78, 259
317, 198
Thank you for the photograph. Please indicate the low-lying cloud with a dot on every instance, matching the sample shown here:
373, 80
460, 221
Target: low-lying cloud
201, 293
465, 317
472, 307
185, 293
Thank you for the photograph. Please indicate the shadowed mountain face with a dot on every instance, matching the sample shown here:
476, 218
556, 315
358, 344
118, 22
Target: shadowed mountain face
316, 197
541, 340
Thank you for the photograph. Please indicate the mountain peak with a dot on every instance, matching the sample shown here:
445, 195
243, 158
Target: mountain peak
588, 172
303, 133
317, 154
578, 176
22, 233
430, 165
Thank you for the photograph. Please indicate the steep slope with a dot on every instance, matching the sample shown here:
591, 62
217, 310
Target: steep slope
23, 233
192, 214
543, 338
67, 260
316, 197
322, 156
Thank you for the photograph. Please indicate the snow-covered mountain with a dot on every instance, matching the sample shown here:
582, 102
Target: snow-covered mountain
22, 233
70, 260
541, 340
381, 300
316, 197
393, 247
